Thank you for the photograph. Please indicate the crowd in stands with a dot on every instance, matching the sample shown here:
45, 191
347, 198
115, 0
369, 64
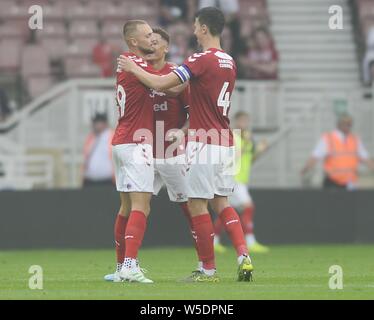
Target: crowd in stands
82, 38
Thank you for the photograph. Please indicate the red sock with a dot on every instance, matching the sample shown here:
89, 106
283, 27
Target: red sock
119, 237
134, 234
218, 227
187, 214
204, 232
247, 220
231, 222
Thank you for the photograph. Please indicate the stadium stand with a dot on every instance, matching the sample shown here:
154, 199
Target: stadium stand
364, 17
318, 75
72, 28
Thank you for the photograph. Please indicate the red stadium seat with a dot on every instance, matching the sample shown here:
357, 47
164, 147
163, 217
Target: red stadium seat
113, 12
118, 43
54, 12
52, 29
15, 11
82, 47
55, 47
14, 29
83, 29
53, 38
82, 10
111, 29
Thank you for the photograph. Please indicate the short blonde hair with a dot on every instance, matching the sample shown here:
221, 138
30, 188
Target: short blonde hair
130, 27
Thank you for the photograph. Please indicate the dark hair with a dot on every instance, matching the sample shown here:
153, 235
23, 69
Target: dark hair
240, 114
130, 26
163, 33
100, 117
213, 18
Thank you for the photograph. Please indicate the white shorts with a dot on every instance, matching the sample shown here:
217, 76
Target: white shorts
133, 167
169, 172
240, 196
210, 170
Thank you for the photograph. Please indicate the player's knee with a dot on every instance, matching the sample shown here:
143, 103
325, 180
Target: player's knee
218, 205
124, 211
197, 207
142, 207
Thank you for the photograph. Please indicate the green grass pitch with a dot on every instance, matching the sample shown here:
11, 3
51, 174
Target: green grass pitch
287, 272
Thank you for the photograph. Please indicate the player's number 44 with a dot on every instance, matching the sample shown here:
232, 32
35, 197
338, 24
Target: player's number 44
224, 98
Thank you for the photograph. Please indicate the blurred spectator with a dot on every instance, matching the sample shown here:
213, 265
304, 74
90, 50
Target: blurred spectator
98, 168
368, 63
342, 151
230, 9
4, 105
179, 45
104, 55
260, 59
173, 11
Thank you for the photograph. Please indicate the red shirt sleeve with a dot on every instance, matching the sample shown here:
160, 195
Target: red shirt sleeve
193, 67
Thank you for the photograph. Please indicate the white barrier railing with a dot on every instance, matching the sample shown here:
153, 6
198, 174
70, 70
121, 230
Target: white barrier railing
61, 118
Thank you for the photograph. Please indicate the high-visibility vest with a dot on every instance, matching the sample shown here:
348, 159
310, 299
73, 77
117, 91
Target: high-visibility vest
88, 145
342, 161
244, 163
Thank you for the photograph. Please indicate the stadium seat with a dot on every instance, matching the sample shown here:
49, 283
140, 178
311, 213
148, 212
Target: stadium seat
53, 29
56, 47
14, 29
54, 12
82, 47
111, 29
16, 11
29, 3
82, 10
10, 54
118, 43
83, 29
113, 12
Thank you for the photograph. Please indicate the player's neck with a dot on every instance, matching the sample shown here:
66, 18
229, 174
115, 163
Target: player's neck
212, 43
159, 64
137, 52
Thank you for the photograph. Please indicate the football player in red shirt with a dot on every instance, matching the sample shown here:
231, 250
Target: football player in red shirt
133, 154
171, 124
171, 121
210, 148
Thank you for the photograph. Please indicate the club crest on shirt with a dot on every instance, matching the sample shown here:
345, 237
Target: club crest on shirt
155, 93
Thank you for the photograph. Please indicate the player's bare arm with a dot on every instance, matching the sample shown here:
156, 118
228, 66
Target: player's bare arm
176, 91
159, 83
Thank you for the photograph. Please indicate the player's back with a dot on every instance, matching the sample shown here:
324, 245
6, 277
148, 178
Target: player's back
212, 77
135, 103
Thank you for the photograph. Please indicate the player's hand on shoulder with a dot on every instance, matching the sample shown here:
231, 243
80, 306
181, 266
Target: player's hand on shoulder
125, 64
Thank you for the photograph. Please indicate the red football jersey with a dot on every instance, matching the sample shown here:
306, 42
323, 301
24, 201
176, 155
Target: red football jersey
212, 76
169, 113
135, 103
